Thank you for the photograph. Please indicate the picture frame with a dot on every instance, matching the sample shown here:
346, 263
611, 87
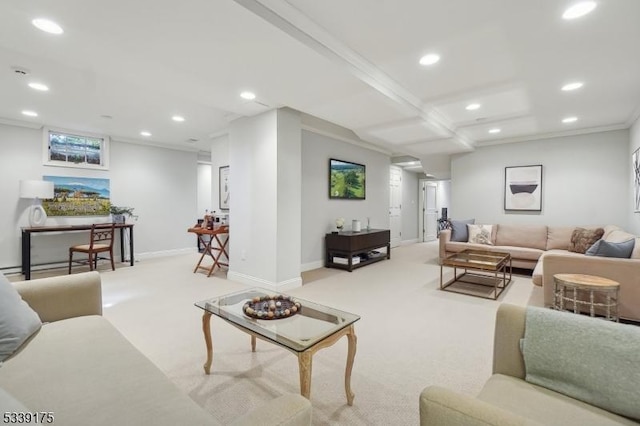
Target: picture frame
223, 193
78, 196
347, 180
636, 180
68, 148
523, 188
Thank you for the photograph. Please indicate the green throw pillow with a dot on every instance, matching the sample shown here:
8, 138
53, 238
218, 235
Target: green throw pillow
17, 320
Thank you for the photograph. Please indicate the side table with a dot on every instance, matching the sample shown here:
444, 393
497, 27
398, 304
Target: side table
602, 294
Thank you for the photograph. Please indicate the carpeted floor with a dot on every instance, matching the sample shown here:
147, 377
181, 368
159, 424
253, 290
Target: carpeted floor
411, 335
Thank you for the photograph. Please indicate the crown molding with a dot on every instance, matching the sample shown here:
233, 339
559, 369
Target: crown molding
552, 135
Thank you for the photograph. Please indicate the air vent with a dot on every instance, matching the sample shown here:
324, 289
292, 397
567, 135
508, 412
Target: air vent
192, 140
20, 70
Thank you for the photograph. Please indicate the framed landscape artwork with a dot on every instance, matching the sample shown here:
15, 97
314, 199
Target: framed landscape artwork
78, 196
636, 180
523, 188
224, 188
347, 180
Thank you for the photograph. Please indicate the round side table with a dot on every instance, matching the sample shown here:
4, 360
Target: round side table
568, 288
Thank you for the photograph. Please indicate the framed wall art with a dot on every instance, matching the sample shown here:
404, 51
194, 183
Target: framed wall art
636, 180
523, 188
224, 188
78, 196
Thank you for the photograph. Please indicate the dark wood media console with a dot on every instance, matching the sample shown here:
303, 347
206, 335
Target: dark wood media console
348, 244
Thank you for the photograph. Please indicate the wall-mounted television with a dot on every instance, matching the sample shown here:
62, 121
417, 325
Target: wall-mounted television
346, 180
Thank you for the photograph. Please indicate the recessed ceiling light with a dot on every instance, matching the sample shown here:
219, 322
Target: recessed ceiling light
47, 26
429, 59
493, 131
145, 133
472, 107
570, 120
29, 113
39, 86
579, 9
572, 86
178, 118
248, 96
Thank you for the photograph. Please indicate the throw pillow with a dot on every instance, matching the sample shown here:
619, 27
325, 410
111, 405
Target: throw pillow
459, 232
582, 239
607, 249
480, 234
17, 320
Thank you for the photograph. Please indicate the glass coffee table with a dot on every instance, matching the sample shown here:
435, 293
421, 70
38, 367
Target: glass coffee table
312, 328
484, 273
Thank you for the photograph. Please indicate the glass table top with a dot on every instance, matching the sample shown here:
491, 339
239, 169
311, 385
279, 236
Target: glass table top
476, 257
312, 323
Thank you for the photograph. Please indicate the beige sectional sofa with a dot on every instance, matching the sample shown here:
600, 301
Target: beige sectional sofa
81, 369
544, 250
510, 397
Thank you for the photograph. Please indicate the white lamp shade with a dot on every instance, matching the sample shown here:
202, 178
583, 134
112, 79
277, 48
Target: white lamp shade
36, 189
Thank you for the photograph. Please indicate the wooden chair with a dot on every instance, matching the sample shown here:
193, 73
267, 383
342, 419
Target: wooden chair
101, 242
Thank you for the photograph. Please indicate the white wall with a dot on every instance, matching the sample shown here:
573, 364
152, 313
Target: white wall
319, 212
585, 180
410, 206
159, 183
634, 144
219, 158
443, 197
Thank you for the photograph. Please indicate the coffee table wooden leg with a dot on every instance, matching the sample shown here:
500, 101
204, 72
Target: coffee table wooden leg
304, 364
351, 354
253, 343
206, 329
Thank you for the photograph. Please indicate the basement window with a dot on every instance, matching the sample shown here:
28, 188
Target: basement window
75, 149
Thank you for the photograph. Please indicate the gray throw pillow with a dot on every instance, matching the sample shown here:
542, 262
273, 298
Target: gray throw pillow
17, 320
606, 249
459, 232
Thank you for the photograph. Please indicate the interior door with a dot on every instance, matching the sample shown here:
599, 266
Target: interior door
430, 211
395, 205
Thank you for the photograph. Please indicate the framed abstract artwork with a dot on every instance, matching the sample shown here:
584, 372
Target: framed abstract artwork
224, 188
523, 188
636, 180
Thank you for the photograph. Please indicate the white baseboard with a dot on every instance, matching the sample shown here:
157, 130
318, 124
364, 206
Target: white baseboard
407, 242
311, 265
163, 253
259, 282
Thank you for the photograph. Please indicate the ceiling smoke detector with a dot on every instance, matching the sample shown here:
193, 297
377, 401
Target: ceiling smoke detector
20, 70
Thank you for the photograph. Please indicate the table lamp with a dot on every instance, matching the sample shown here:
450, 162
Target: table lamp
36, 190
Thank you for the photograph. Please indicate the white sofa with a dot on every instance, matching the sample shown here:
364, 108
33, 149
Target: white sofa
509, 397
81, 369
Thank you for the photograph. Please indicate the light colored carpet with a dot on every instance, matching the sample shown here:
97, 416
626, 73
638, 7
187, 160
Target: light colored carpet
411, 335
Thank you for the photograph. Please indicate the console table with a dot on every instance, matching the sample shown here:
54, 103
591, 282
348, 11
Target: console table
348, 244
26, 240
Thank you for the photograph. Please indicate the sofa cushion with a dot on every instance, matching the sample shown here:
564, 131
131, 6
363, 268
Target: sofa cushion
559, 237
17, 320
577, 355
459, 231
533, 236
83, 368
543, 405
480, 234
582, 239
618, 235
606, 249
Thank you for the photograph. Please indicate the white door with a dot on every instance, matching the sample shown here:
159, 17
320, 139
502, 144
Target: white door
395, 205
430, 212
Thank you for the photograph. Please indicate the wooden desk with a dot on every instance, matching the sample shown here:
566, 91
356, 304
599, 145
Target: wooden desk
26, 240
209, 249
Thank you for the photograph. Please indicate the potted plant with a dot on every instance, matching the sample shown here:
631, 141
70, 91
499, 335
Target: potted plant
118, 213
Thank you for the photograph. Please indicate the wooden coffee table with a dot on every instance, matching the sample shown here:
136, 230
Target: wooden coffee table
482, 270
314, 327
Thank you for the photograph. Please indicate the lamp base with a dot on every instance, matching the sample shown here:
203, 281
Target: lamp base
37, 216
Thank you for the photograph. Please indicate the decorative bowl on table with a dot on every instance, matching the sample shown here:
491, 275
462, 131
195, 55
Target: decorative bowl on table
272, 307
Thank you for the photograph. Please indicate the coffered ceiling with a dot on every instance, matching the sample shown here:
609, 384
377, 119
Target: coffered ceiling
122, 67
